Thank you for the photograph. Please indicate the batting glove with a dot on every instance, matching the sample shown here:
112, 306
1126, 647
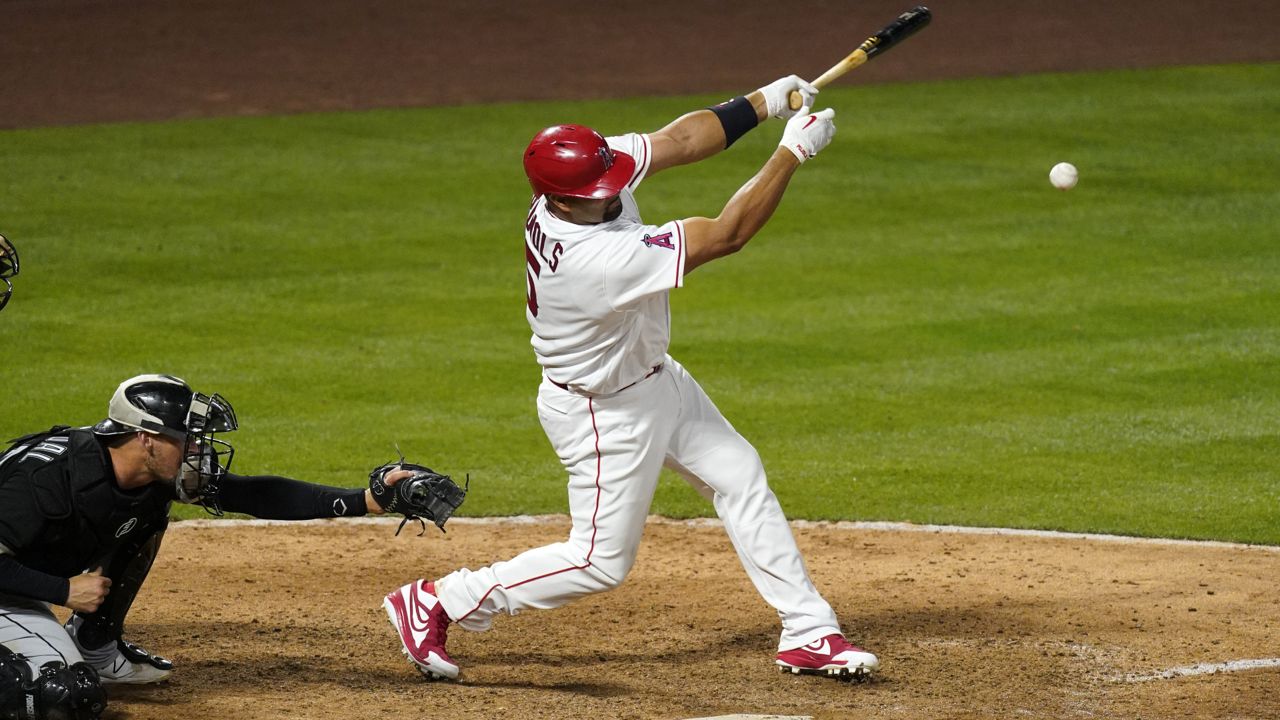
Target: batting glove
777, 93
807, 134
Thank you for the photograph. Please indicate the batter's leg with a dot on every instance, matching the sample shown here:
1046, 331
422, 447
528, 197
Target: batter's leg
613, 447
713, 457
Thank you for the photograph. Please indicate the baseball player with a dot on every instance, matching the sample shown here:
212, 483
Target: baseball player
82, 514
8, 268
615, 405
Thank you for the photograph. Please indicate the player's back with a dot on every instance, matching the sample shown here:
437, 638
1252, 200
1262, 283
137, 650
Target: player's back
597, 295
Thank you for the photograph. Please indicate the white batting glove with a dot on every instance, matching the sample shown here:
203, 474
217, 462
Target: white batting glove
777, 95
807, 134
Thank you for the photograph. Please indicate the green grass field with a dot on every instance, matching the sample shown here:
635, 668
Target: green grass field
926, 331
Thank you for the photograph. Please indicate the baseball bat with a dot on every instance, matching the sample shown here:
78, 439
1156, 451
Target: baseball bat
906, 25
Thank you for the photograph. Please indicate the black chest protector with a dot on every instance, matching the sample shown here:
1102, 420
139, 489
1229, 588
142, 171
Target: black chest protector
81, 515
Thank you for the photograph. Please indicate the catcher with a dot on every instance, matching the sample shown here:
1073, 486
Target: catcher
82, 514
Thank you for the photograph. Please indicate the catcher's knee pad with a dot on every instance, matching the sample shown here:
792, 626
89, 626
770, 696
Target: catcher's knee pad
65, 693
15, 681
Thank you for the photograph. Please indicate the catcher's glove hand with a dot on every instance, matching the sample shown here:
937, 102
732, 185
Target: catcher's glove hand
424, 494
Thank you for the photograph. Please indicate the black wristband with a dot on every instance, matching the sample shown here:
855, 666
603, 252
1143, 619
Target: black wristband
737, 117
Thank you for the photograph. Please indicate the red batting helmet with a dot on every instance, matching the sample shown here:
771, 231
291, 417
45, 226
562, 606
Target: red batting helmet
576, 161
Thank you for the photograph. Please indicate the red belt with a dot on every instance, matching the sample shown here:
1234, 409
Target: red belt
656, 369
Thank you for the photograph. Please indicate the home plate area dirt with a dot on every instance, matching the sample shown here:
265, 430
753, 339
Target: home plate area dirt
284, 620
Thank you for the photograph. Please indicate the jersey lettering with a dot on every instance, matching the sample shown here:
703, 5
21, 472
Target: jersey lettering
47, 450
532, 267
535, 249
538, 240
10, 455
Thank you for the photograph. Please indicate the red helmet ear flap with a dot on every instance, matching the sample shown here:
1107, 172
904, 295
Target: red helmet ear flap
576, 161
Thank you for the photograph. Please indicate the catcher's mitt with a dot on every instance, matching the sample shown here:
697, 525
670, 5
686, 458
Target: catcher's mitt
424, 494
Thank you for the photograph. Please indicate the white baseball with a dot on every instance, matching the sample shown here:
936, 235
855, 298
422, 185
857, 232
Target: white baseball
1064, 176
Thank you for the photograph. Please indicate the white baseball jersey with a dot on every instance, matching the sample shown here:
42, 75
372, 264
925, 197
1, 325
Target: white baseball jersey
597, 294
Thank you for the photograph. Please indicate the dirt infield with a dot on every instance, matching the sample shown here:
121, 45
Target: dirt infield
270, 622
285, 621
75, 61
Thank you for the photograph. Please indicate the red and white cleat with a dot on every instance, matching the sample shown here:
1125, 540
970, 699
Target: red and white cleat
831, 655
423, 625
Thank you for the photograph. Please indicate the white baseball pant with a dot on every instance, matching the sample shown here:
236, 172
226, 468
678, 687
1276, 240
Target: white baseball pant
614, 447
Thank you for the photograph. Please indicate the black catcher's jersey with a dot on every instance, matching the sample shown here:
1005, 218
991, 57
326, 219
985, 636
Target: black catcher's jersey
61, 512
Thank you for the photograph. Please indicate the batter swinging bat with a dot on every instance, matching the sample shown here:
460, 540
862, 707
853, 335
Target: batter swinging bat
907, 24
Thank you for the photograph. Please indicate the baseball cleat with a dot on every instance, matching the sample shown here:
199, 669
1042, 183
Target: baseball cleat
832, 656
423, 626
122, 662
123, 671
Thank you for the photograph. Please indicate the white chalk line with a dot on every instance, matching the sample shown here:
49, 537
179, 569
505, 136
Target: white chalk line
757, 717
1202, 669
714, 522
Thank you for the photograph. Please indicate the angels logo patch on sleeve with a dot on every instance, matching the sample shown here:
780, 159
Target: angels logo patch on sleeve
647, 261
662, 241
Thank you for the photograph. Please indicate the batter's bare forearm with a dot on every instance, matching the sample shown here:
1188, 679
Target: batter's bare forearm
757, 102
695, 136
743, 216
754, 203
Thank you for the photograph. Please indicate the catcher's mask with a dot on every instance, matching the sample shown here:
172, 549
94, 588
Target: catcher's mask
166, 405
8, 268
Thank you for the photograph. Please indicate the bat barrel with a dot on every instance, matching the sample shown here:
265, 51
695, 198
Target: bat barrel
907, 24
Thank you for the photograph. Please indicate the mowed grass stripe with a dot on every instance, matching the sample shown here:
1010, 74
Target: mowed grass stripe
926, 331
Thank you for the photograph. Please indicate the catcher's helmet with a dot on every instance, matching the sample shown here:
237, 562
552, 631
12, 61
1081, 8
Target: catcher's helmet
8, 268
166, 405
576, 161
